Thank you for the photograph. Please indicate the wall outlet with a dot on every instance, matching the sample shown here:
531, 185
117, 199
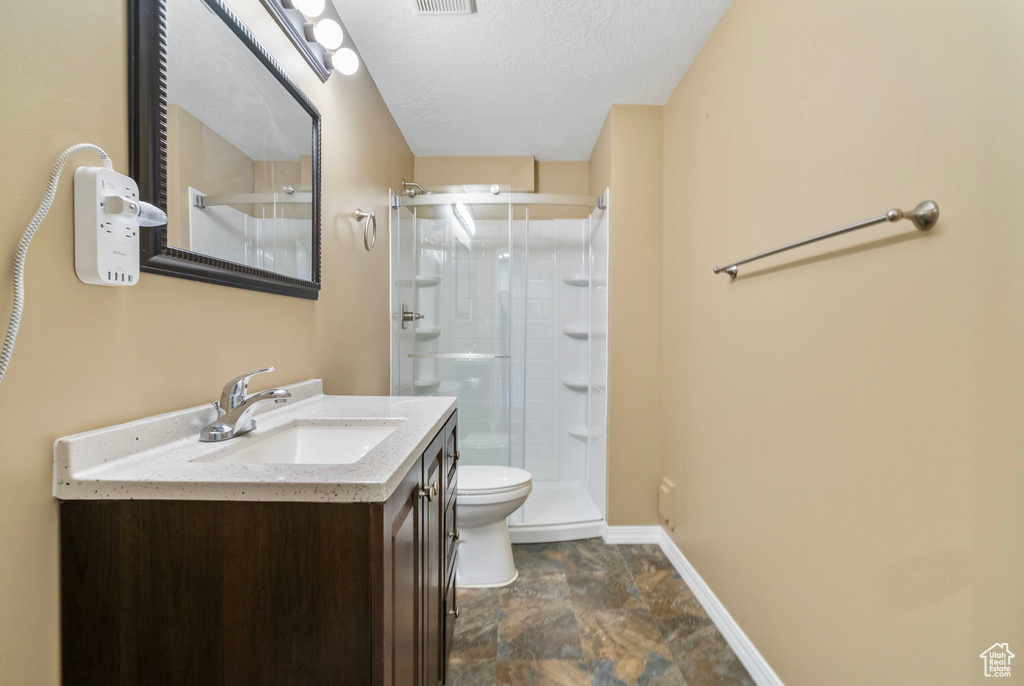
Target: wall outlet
667, 503
106, 227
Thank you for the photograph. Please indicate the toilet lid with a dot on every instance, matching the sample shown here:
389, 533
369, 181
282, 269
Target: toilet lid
483, 479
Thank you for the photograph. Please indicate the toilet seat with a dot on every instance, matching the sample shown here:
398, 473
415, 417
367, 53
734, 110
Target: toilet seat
479, 480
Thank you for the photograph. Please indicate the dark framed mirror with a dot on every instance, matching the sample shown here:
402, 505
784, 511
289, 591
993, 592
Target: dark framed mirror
225, 143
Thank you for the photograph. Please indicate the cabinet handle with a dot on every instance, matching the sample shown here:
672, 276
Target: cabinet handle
455, 535
429, 493
456, 455
456, 613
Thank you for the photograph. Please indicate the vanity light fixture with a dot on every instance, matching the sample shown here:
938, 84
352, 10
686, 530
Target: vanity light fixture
318, 42
327, 33
345, 61
311, 8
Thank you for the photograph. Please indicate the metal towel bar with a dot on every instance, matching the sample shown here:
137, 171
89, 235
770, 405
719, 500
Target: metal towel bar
924, 217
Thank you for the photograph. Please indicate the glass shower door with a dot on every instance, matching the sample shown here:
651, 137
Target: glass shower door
452, 302
403, 296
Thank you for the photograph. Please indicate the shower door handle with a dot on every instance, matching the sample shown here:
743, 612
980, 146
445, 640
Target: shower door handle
409, 316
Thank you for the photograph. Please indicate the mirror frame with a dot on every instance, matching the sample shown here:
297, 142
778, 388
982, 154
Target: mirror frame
147, 133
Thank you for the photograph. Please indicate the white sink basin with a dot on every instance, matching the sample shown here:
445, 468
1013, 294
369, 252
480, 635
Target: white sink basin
316, 444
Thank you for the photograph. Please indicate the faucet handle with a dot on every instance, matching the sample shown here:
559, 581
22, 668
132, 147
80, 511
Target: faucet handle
235, 391
240, 420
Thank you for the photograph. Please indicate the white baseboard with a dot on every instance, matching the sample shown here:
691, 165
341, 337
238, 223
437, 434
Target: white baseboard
758, 668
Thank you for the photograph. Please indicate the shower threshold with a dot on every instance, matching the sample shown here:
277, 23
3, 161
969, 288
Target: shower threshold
557, 511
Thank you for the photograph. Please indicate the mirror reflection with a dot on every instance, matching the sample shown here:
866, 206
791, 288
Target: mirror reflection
240, 177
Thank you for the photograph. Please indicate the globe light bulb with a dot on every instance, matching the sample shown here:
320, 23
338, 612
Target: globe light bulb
311, 8
328, 33
346, 61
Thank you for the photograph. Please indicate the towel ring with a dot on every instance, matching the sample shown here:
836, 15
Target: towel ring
369, 237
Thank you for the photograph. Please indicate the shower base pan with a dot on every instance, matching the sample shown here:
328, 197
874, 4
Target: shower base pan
556, 511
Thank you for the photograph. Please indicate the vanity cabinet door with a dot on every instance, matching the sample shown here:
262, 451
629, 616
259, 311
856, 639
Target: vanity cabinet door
402, 572
433, 560
415, 551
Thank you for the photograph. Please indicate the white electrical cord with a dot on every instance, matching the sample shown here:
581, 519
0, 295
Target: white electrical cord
26, 239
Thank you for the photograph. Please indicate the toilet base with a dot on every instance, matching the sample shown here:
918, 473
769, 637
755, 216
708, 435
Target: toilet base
498, 585
485, 557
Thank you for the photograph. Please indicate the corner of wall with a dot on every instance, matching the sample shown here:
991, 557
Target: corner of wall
628, 158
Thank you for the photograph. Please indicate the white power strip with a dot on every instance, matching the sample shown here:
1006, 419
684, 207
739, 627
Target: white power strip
106, 227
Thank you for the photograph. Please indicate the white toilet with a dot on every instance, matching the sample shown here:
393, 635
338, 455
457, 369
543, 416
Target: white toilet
485, 497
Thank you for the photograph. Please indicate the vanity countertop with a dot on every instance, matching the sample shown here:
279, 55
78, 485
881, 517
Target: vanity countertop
161, 457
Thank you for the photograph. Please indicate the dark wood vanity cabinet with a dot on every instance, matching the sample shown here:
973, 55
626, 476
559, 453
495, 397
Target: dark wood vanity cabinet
418, 607
231, 592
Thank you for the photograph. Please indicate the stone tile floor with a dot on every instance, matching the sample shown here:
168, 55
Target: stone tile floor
584, 612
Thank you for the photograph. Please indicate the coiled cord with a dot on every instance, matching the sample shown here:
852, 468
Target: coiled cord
26, 238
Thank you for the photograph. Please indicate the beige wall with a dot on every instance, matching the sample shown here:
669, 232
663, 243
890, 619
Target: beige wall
563, 178
200, 158
90, 356
845, 422
628, 158
515, 172
520, 173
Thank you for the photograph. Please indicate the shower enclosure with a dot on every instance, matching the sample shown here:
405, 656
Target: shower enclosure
500, 298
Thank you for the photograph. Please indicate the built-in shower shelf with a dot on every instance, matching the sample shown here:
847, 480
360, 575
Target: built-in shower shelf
574, 332
576, 384
427, 333
579, 431
426, 384
577, 280
427, 280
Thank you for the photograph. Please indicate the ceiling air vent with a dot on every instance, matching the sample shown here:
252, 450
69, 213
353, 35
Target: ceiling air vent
445, 6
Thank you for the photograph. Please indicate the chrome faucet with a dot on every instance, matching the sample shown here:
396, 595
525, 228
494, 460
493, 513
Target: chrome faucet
236, 408
235, 391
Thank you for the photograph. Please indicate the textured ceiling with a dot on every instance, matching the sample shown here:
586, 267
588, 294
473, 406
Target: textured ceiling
524, 77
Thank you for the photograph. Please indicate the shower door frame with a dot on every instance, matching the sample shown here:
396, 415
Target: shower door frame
502, 198
522, 533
